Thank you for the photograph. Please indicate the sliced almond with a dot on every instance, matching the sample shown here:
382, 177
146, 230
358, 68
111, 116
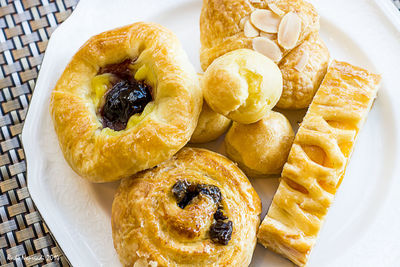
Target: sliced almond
289, 30
265, 20
250, 30
243, 21
302, 61
268, 48
255, 1
271, 36
276, 9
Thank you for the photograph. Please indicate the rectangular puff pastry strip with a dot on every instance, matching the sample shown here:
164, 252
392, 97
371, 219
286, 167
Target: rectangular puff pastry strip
317, 161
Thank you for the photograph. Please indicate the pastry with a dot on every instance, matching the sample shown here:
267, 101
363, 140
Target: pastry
196, 209
128, 100
260, 148
303, 70
242, 85
227, 25
210, 126
317, 161
286, 31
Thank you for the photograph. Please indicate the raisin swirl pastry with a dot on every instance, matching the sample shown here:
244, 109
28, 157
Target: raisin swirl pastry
128, 100
286, 31
196, 209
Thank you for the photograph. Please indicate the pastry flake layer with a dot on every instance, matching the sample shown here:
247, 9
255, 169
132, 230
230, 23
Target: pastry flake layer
317, 161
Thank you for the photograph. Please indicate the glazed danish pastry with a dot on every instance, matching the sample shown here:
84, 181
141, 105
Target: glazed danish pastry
196, 209
317, 161
128, 100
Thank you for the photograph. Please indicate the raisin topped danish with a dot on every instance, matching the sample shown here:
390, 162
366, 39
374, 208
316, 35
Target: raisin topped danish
196, 209
128, 100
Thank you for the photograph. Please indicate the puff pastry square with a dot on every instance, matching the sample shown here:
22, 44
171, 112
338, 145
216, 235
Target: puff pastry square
317, 161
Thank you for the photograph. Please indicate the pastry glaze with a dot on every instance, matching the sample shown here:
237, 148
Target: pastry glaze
260, 148
317, 161
149, 227
299, 87
220, 31
165, 126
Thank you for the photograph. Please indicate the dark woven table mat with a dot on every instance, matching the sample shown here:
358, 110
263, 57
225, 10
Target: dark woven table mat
25, 27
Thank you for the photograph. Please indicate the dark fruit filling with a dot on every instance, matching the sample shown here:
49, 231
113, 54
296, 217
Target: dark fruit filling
219, 214
126, 97
221, 232
122, 101
184, 192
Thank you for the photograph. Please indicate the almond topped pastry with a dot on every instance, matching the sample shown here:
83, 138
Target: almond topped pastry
285, 31
317, 161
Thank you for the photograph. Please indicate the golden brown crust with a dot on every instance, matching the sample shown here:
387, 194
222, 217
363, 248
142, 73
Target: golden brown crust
242, 85
101, 155
260, 148
220, 30
150, 228
210, 126
299, 86
317, 161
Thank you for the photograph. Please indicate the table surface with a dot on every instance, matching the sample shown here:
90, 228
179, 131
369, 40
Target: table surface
25, 28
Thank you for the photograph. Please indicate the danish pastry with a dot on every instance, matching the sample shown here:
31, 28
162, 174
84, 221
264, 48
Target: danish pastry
303, 70
317, 161
242, 85
128, 100
196, 209
260, 148
210, 126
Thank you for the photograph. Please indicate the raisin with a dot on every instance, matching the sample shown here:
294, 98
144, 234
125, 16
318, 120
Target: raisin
183, 192
219, 215
221, 232
210, 190
179, 189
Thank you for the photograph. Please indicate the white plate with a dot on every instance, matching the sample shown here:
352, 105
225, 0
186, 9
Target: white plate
362, 227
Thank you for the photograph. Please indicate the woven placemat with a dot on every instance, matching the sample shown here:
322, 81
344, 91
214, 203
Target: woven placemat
25, 29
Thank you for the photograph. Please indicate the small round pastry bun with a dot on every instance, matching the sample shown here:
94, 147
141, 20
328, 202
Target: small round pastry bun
242, 85
260, 148
195, 209
210, 126
142, 54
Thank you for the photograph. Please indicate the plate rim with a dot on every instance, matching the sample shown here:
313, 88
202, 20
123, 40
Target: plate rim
63, 238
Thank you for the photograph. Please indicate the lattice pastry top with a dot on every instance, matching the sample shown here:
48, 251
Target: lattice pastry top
317, 161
